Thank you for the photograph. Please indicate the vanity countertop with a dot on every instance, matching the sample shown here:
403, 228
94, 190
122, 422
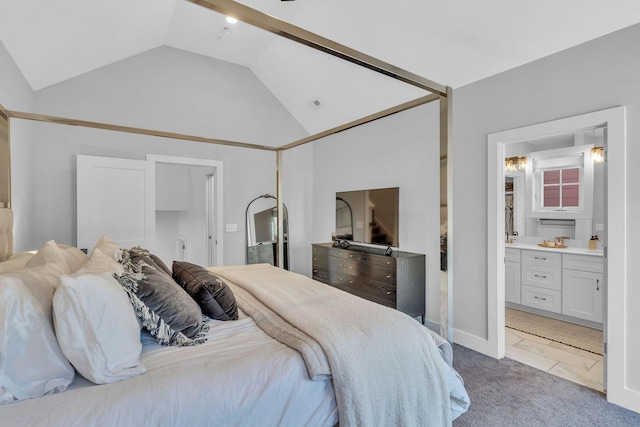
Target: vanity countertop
567, 250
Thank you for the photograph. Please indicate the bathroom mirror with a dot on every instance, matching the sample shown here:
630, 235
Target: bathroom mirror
262, 231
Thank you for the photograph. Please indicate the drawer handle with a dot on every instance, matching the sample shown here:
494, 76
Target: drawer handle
388, 262
389, 276
597, 284
388, 292
539, 276
543, 299
540, 257
364, 258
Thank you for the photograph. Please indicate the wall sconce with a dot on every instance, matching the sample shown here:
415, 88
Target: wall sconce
597, 154
514, 164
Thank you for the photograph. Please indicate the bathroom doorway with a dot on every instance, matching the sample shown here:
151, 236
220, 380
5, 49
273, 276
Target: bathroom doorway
613, 238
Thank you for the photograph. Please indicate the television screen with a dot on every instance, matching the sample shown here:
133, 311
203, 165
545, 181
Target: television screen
368, 216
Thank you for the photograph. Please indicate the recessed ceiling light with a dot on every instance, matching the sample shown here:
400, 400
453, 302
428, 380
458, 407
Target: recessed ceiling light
231, 20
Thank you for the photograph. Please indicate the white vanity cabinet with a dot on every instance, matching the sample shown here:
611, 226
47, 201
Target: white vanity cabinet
582, 287
512, 275
559, 284
542, 280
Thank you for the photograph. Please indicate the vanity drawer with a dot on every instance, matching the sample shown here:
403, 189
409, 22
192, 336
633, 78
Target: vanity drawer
544, 299
512, 255
543, 258
543, 277
594, 264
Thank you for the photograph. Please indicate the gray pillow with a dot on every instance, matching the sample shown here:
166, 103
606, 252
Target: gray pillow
165, 297
215, 298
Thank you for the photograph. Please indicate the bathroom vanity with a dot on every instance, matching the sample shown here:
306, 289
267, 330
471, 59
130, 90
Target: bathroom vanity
566, 284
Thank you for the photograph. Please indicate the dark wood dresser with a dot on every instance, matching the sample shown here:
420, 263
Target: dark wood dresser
396, 280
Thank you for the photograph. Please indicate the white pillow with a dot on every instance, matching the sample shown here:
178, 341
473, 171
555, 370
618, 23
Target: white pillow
49, 252
97, 328
15, 261
31, 361
99, 262
73, 256
109, 247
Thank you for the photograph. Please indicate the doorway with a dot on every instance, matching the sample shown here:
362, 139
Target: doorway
190, 227
615, 241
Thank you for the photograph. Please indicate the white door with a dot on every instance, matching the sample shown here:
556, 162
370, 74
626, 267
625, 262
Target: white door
115, 197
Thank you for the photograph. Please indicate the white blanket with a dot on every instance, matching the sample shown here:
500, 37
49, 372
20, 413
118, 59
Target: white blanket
385, 367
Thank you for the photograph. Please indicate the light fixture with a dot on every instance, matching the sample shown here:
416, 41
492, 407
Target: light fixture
231, 20
514, 164
597, 154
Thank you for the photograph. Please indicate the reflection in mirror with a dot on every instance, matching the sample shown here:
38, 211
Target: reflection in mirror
344, 220
5, 162
368, 216
262, 231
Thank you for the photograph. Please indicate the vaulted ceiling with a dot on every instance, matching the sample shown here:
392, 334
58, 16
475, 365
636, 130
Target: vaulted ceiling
451, 42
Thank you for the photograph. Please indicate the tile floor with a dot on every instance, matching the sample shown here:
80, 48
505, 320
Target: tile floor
570, 363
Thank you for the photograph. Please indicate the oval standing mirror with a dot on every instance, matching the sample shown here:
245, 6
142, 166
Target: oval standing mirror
262, 231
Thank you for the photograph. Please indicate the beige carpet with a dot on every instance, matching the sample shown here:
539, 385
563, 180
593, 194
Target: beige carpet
566, 333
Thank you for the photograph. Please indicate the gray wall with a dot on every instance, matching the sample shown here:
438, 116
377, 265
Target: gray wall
600, 74
163, 89
402, 151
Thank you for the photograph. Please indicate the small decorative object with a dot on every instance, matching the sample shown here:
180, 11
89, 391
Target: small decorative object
593, 243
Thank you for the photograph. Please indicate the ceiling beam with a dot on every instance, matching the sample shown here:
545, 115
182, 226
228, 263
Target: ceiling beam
307, 38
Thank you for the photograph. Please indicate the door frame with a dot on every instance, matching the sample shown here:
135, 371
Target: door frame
615, 312
217, 165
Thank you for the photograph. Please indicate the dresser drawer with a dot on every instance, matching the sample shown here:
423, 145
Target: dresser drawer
543, 277
320, 272
359, 267
512, 255
379, 292
594, 264
381, 260
544, 299
544, 258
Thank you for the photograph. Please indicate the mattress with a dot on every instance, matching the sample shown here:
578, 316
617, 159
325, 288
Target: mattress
239, 377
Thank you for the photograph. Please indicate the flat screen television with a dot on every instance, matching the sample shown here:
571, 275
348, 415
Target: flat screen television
368, 216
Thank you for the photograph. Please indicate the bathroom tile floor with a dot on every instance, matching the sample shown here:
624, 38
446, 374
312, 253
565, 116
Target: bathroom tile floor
570, 363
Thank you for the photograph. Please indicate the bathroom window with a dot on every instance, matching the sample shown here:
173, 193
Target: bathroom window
561, 188
560, 183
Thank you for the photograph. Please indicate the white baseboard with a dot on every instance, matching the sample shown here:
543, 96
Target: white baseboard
473, 342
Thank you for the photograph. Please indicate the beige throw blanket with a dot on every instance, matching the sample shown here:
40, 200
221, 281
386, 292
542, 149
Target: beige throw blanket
385, 367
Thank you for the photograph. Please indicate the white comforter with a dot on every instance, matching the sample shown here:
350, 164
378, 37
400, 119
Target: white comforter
385, 367
239, 377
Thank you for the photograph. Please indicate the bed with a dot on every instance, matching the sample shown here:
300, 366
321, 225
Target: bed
294, 352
